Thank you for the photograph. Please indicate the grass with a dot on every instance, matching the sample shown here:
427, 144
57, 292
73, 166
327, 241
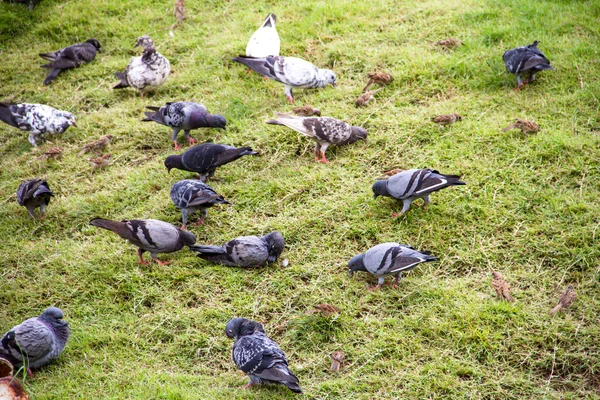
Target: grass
530, 209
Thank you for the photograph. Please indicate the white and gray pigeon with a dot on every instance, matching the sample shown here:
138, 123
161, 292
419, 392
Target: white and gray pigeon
191, 195
526, 60
34, 193
37, 119
291, 71
259, 356
149, 235
36, 341
414, 184
184, 115
205, 158
265, 41
388, 259
244, 251
70, 57
145, 73
324, 130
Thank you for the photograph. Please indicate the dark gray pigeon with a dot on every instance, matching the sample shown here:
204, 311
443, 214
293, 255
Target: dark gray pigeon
34, 193
259, 356
36, 341
37, 119
184, 115
31, 3
70, 57
244, 251
526, 60
323, 130
149, 235
205, 158
191, 195
291, 71
388, 259
414, 184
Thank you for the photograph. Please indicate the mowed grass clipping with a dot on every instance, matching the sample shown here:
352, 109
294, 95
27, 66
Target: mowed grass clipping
530, 209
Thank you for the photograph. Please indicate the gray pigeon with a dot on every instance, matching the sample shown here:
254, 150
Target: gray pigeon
184, 115
36, 341
526, 60
32, 3
324, 130
205, 158
70, 57
244, 251
34, 193
149, 235
387, 259
259, 356
37, 119
414, 184
191, 195
291, 71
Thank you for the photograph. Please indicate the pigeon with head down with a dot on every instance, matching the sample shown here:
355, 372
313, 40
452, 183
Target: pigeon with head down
191, 195
34, 193
70, 57
526, 60
265, 41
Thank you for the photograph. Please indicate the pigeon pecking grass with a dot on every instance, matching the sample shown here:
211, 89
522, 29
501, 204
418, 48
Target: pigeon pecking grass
34, 193
526, 61
191, 195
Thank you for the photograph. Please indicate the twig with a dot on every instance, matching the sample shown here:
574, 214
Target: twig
581, 186
553, 364
580, 77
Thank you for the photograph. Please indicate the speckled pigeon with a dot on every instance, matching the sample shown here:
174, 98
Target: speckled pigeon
70, 57
149, 235
37, 119
205, 158
414, 184
244, 251
324, 130
265, 41
184, 115
191, 195
34, 193
36, 341
526, 60
291, 71
388, 259
259, 356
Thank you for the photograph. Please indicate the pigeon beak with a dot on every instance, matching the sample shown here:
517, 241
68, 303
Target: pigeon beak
350, 273
74, 124
136, 45
376, 195
333, 84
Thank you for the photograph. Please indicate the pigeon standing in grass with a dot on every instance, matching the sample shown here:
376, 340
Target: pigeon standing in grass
36, 341
324, 130
414, 184
191, 195
70, 57
205, 158
244, 251
31, 3
149, 235
184, 115
37, 119
265, 41
387, 259
526, 60
565, 301
34, 193
259, 356
291, 71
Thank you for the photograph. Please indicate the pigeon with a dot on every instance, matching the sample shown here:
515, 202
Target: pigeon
191, 195
149, 235
32, 3
37, 119
448, 119
386, 259
244, 251
524, 125
501, 287
258, 355
565, 301
382, 78
526, 60
337, 358
70, 57
184, 115
34, 193
36, 341
324, 130
265, 41
100, 162
448, 44
53, 152
307, 111
291, 71
99, 144
366, 98
145, 73
205, 158
414, 184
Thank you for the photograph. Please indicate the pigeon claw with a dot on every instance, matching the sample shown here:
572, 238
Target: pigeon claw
177, 147
162, 262
191, 140
376, 287
396, 215
200, 222
290, 99
30, 372
182, 227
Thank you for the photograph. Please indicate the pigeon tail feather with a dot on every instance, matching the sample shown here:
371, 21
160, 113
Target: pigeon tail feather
207, 250
123, 80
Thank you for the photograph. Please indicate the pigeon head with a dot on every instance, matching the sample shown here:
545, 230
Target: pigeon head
328, 76
237, 327
534, 44
94, 43
380, 188
276, 243
358, 133
70, 118
356, 264
217, 121
188, 238
173, 162
144, 41
52, 313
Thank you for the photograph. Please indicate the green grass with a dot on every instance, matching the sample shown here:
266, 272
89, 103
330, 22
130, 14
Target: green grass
530, 209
